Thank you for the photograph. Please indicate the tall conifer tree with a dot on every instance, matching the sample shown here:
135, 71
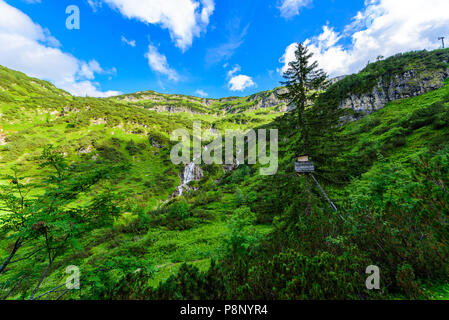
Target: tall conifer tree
303, 80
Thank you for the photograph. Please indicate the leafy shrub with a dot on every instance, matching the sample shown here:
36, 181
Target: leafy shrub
398, 218
179, 210
291, 275
406, 281
241, 234
110, 154
132, 148
370, 124
191, 284
424, 116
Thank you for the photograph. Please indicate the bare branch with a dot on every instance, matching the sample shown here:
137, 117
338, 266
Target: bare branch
51, 291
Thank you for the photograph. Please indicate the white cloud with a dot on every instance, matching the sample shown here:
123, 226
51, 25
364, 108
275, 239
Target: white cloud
27, 47
240, 83
185, 19
287, 57
89, 88
95, 4
158, 63
131, 43
233, 71
290, 8
234, 39
89, 69
207, 11
201, 93
384, 27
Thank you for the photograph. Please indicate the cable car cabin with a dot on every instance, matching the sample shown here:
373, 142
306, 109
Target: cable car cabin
303, 165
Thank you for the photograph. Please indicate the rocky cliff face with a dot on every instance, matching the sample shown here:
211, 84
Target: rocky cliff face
178, 103
2, 138
409, 84
261, 100
388, 88
270, 100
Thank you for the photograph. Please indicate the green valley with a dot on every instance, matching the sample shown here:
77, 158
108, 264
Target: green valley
88, 182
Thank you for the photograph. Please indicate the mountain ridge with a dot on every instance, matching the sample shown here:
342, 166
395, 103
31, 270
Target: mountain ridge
413, 74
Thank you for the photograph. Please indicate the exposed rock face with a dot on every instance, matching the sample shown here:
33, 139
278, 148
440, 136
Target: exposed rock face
261, 100
86, 150
230, 167
174, 103
329, 83
2, 138
335, 80
172, 109
98, 121
269, 101
409, 84
155, 143
151, 97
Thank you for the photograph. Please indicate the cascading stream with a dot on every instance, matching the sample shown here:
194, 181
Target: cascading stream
188, 176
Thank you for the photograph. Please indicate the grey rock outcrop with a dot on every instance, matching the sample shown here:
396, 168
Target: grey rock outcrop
2, 138
267, 101
261, 100
409, 84
155, 143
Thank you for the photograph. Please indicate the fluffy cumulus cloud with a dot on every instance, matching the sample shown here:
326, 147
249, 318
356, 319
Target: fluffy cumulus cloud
290, 8
185, 19
158, 63
240, 83
236, 81
27, 47
384, 27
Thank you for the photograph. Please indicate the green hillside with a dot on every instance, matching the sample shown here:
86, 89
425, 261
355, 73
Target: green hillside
101, 198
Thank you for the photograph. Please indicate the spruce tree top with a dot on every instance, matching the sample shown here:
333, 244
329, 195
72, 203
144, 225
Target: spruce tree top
303, 80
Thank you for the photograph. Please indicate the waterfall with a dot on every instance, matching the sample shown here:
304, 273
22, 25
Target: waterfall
239, 151
188, 176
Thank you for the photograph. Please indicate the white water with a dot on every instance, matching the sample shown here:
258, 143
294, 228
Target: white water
188, 176
237, 157
189, 173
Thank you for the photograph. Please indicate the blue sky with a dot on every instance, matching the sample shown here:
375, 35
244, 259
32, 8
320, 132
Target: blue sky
211, 48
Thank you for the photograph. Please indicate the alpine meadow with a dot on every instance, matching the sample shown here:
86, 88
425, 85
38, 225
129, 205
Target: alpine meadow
331, 185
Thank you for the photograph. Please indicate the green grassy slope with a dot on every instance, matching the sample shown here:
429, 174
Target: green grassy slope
35, 114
